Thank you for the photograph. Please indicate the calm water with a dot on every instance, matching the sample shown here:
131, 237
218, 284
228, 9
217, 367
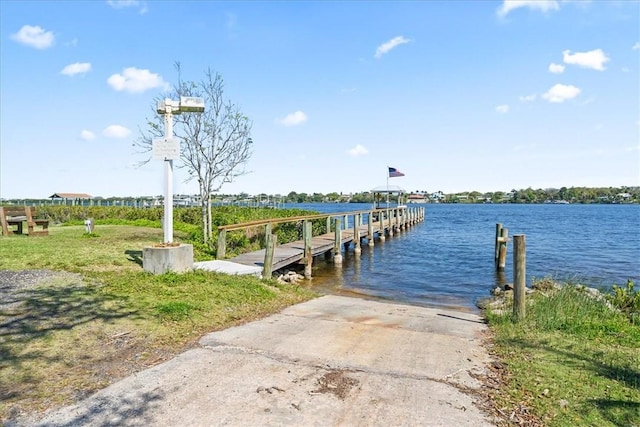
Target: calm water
448, 259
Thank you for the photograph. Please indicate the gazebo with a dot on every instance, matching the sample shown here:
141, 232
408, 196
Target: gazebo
382, 193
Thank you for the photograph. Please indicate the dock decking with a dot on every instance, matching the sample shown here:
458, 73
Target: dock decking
380, 223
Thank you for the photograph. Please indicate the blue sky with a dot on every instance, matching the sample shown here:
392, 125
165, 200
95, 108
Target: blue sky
460, 96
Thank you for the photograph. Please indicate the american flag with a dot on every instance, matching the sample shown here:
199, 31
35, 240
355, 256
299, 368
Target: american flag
394, 173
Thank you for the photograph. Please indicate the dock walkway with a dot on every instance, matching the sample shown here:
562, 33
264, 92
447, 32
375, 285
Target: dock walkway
379, 224
290, 253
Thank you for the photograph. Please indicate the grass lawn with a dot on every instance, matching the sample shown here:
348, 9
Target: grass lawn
572, 362
104, 317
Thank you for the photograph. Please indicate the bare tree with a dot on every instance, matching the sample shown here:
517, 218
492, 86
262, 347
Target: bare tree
214, 145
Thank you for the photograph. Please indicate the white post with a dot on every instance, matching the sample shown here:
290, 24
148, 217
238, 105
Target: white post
168, 174
387, 187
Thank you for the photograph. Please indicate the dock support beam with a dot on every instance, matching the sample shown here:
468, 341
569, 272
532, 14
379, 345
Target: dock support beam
356, 234
267, 266
337, 253
502, 237
307, 231
370, 229
519, 276
381, 223
222, 244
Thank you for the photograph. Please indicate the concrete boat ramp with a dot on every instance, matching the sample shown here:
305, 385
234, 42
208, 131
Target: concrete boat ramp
332, 361
228, 267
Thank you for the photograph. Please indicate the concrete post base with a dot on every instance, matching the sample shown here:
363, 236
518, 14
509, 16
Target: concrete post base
159, 260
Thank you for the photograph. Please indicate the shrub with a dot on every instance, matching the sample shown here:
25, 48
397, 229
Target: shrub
627, 300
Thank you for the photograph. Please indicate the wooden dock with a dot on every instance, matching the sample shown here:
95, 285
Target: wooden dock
366, 226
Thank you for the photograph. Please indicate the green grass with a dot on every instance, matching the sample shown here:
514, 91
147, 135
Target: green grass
79, 332
571, 362
67, 248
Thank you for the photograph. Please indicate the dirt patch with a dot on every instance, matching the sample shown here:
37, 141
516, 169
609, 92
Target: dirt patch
336, 383
492, 390
61, 341
15, 283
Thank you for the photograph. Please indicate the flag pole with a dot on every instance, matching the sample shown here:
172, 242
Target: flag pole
387, 187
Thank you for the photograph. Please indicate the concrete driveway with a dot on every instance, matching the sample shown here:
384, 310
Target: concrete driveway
332, 361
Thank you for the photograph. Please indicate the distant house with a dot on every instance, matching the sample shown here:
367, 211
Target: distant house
416, 198
69, 198
437, 196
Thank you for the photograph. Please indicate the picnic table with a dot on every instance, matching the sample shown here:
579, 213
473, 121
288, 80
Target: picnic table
16, 216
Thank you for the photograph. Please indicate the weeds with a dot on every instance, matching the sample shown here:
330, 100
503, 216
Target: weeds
627, 300
574, 360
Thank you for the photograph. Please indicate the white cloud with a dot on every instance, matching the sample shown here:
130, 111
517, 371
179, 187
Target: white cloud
556, 68
77, 68
636, 46
87, 135
358, 150
387, 46
231, 20
135, 80
123, 4
34, 36
294, 119
116, 131
541, 5
502, 109
528, 98
560, 93
632, 148
593, 59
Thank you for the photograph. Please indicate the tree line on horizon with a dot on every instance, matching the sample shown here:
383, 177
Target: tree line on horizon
528, 195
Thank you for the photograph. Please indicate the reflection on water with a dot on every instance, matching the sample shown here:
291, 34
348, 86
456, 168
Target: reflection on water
448, 259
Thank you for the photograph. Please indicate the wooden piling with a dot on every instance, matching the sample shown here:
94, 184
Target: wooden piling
497, 245
337, 253
502, 237
222, 244
370, 229
519, 276
381, 233
267, 266
308, 255
356, 234
267, 231
328, 224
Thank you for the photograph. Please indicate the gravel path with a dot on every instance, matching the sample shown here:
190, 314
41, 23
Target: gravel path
15, 283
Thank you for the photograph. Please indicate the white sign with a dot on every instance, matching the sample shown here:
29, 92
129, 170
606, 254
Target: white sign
191, 104
166, 149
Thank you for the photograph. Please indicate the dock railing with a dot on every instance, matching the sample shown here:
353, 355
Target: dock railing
388, 220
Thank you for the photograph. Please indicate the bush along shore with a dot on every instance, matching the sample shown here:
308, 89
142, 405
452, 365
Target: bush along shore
574, 360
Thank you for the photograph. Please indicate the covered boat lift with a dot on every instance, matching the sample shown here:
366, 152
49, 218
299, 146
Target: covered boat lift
381, 195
